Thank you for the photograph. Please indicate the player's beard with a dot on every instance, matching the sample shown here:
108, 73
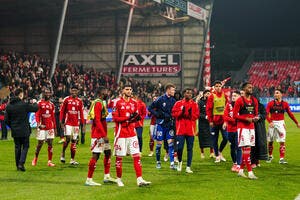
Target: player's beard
47, 98
104, 97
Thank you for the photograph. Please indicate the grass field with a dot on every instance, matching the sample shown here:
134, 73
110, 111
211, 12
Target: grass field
209, 180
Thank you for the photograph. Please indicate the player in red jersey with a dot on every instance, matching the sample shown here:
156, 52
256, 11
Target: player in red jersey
142, 110
245, 111
125, 115
231, 127
275, 116
99, 140
186, 112
215, 106
46, 126
70, 111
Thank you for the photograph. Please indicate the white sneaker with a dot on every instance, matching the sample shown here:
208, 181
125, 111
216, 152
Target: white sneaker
108, 179
212, 155
179, 167
269, 159
141, 182
188, 170
62, 159
90, 182
166, 157
282, 161
242, 174
218, 159
252, 176
222, 158
172, 166
202, 156
119, 182
150, 154
73, 162
176, 159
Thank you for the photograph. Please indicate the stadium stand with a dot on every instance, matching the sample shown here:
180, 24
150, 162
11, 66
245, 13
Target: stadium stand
31, 73
269, 74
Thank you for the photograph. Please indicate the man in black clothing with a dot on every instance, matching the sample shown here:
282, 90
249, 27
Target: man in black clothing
16, 117
203, 126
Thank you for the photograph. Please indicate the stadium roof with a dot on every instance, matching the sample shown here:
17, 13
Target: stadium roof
29, 11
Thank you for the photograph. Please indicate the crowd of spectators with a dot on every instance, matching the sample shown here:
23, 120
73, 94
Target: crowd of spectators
31, 72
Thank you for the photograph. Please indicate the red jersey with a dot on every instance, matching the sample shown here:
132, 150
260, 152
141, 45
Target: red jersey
244, 108
185, 121
152, 120
228, 118
216, 119
46, 115
275, 111
2, 109
72, 111
142, 110
99, 126
112, 103
121, 115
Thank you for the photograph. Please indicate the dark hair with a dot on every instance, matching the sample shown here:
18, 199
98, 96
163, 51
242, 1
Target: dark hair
74, 87
205, 91
46, 89
100, 89
126, 85
186, 89
278, 89
18, 91
237, 92
217, 82
169, 85
245, 84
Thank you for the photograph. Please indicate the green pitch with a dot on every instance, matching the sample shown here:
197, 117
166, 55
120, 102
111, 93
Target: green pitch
209, 180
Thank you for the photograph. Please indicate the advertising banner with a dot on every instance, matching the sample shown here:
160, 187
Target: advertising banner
145, 64
196, 11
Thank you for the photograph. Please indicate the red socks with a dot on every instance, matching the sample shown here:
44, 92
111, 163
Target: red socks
137, 166
151, 144
282, 150
270, 147
73, 150
92, 166
119, 166
50, 152
106, 162
246, 158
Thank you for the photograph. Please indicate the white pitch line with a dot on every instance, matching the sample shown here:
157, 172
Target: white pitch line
298, 197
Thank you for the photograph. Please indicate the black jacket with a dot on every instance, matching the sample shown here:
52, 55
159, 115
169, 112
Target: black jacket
16, 117
202, 109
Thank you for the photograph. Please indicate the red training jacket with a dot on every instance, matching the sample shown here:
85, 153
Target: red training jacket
228, 118
142, 110
185, 121
99, 126
216, 119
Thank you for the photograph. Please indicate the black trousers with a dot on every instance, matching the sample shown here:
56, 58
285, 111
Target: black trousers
4, 129
21, 149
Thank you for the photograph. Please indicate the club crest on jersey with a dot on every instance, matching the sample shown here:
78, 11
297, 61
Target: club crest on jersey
171, 132
164, 104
